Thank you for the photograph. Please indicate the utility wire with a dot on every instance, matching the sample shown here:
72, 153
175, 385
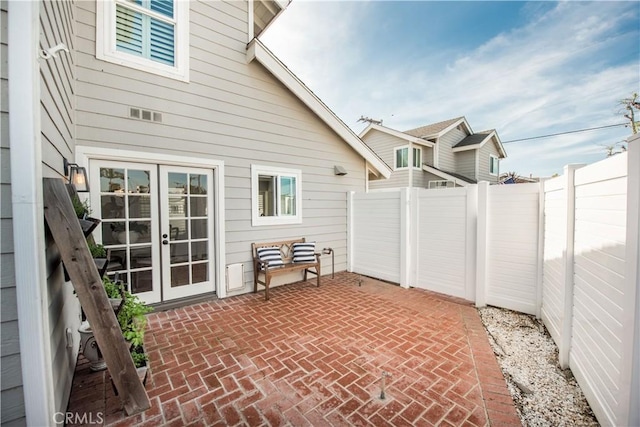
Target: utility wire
564, 133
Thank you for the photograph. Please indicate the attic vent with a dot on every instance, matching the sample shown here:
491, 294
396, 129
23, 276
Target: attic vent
147, 115
134, 113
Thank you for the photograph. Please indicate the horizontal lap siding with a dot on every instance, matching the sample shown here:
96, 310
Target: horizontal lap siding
446, 157
442, 237
58, 91
484, 162
512, 270
553, 289
377, 235
466, 163
384, 146
230, 111
599, 293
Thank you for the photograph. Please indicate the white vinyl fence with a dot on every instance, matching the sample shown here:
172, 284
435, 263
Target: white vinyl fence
565, 250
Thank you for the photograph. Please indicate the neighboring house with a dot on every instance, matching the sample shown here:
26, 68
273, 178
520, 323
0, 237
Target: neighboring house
444, 154
192, 132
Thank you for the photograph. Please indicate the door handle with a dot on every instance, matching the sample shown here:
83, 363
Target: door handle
165, 242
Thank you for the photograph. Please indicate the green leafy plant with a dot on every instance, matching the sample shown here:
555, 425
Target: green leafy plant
132, 320
82, 209
112, 288
140, 358
97, 250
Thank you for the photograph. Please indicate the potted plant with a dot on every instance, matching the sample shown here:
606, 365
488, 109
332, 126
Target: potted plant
83, 210
133, 324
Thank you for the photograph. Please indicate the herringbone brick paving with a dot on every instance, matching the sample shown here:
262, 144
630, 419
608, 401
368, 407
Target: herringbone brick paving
314, 357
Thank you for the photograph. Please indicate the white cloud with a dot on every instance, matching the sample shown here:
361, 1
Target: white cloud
549, 76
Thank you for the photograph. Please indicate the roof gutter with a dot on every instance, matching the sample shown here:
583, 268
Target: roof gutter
258, 51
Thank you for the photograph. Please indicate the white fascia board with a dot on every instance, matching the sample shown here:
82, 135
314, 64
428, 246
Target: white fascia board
397, 134
444, 175
503, 152
256, 50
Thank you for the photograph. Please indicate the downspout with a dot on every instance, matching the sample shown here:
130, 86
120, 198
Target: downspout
28, 213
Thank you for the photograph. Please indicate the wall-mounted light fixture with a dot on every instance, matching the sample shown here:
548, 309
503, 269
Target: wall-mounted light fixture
339, 170
77, 176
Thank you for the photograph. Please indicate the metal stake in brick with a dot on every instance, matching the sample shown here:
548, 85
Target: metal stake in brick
382, 379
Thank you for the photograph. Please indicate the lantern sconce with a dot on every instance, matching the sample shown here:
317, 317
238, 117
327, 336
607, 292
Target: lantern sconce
77, 176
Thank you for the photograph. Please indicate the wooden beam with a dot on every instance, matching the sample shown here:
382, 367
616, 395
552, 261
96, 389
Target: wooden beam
66, 232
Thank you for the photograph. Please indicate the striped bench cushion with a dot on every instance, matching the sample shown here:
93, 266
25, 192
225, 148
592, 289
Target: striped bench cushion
271, 256
304, 252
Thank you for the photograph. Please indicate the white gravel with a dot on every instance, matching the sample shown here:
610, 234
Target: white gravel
544, 394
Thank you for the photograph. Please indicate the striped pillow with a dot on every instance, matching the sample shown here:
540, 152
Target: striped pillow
304, 252
270, 255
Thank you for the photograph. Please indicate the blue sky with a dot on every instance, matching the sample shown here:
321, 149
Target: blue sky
525, 69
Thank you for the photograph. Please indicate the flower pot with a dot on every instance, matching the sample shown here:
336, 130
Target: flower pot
90, 348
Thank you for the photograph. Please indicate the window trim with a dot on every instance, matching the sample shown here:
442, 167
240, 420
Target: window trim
410, 158
256, 219
413, 152
497, 160
106, 40
395, 158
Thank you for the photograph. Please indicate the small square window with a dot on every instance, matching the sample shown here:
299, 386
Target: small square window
276, 196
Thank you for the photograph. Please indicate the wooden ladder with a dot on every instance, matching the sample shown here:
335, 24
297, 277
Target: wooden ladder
68, 236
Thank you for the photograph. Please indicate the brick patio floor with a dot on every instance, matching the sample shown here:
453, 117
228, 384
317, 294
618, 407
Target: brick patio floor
314, 357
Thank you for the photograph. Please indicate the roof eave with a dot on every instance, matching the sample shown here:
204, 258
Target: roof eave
258, 51
397, 134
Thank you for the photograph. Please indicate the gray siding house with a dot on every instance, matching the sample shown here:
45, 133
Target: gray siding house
192, 133
443, 154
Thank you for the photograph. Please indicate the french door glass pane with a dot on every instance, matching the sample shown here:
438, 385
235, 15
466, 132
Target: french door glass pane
125, 204
188, 198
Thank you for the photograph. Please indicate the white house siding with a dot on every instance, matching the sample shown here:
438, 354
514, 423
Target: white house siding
466, 162
599, 284
230, 111
420, 179
553, 278
483, 170
12, 409
57, 86
446, 157
512, 242
384, 144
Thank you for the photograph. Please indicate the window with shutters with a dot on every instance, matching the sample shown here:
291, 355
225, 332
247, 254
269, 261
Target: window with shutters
149, 35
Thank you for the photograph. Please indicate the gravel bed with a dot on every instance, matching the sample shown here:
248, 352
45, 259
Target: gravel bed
544, 394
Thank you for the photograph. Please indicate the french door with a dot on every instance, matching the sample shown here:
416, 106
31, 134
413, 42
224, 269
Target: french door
157, 222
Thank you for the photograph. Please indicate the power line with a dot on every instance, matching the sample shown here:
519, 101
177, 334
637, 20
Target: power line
564, 133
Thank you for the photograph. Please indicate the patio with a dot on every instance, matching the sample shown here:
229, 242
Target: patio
311, 357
